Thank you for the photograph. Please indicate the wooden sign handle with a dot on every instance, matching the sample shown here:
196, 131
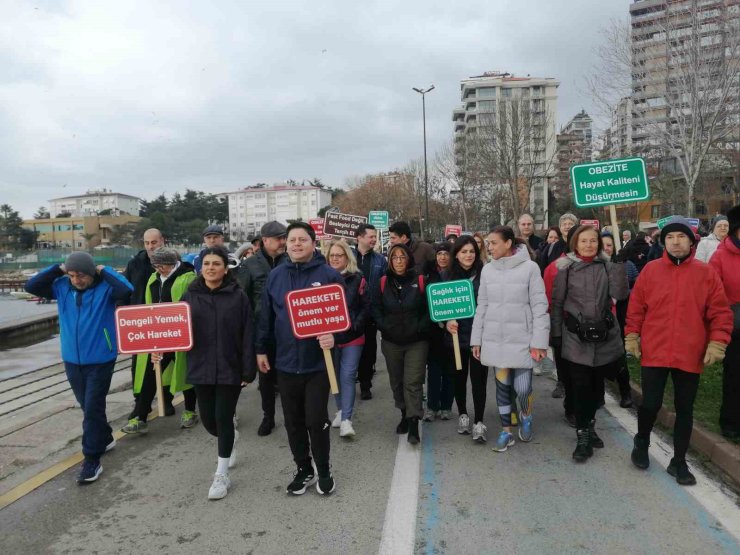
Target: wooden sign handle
160, 396
330, 371
456, 345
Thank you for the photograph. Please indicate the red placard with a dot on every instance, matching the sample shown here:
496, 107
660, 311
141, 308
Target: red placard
318, 226
453, 230
594, 223
318, 310
154, 328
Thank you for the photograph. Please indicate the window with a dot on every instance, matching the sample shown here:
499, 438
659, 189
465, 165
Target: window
486, 106
487, 92
506, 93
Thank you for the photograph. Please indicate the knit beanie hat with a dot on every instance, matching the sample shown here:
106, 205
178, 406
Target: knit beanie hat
165, 256
734, 218
80, 262
678, 223
718, 218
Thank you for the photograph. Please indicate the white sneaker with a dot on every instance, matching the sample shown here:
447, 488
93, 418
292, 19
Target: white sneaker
219, 487
463, 424
479, 432
337, 420
232, 458
346, 429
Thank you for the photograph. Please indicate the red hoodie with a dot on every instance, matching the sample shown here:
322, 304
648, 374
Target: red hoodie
726, 260
677, 310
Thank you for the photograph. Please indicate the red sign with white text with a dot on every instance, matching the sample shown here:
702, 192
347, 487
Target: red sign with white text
594, 223
318, 226
453, 230
318, 310
154, 328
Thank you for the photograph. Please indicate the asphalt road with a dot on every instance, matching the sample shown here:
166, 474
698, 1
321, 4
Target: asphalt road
152, 495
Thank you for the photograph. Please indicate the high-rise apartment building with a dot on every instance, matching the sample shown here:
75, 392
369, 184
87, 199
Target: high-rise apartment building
620, 130
94, 202
580, 126
485, 100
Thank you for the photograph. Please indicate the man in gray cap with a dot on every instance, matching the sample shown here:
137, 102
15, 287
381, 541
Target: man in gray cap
252, 275
213, 236
87, 297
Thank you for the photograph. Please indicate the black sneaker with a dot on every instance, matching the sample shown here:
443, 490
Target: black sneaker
326, 485
680, 471
89, 471
640, 457
583, 448
266, 426
413, 425
303, 478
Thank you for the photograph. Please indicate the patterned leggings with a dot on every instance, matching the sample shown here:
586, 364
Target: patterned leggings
522, 384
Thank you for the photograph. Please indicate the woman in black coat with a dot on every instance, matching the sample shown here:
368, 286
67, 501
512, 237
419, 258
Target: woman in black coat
222, 359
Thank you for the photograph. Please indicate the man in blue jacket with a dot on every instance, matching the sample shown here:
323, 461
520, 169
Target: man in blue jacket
372, 265
86, 298
299, 363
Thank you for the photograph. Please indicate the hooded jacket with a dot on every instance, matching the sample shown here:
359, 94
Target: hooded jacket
87, 323
137, 272
294, 356
511, 314
223, 349
677, 309
400, 310
591, 286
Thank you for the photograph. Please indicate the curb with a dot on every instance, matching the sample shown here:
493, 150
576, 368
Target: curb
724, 454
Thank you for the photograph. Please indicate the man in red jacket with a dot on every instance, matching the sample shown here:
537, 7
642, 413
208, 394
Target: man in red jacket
679, 309
726, 261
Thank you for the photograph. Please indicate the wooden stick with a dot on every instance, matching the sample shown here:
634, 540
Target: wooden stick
456, 345
160, 395
330, 370
615, 228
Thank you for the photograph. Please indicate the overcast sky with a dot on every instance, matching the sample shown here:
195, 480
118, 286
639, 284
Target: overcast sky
157, 96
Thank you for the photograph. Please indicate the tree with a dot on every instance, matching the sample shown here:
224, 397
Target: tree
42, 213
11, 226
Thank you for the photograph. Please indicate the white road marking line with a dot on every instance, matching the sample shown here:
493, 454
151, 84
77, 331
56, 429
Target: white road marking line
399, 527
706, 491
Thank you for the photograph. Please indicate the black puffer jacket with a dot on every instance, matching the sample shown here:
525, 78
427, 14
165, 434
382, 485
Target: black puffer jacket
137, 273
223, 349
358, 304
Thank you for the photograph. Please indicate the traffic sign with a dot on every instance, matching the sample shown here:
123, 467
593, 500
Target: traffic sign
154, 328
342, 225
594, 223
693, 222
451, 300
610, 182
378, 219
451, 229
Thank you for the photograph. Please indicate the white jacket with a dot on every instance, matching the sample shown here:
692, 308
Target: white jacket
511, 316
706, 247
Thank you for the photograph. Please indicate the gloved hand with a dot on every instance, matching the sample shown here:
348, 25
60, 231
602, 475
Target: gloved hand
632, 344
715, 352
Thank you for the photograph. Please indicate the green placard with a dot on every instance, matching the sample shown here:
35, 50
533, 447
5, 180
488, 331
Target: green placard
451, 300
378, 218
609, 182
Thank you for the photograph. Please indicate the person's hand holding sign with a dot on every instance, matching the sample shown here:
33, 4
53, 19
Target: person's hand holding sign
452, 326
326, 341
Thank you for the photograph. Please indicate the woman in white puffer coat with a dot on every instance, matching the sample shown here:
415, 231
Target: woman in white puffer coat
511, 328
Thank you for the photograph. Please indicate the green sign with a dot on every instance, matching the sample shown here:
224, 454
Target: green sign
609, 182
451, 300
378, 218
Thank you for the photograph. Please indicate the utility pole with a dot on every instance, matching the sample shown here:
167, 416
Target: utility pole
423, 93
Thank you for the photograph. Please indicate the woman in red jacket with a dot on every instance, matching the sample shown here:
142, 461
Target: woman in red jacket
679, 310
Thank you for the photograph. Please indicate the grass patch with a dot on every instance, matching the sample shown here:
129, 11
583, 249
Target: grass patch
708, 398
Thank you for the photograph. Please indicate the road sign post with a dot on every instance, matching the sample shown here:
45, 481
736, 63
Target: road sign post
318, 311
154, 328
451, 300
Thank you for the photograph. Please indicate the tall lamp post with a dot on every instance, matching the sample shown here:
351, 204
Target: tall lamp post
423, 92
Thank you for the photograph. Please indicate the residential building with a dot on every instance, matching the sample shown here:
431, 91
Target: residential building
485, 100
250, 208
580, 126
79, 232
571, 149
93, 202
620, 130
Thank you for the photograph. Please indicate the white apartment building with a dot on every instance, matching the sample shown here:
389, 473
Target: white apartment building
252, 207
580, 125
483, 99
93, 202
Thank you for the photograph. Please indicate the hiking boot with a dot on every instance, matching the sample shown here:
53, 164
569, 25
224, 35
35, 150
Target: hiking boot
559, 391
463, 424
135, 426
525, 428
429, 415
413, 437
303, 478
188, 419
479, 432
346, 429
680, 471
337, 420
403, 425
640, 456
504, 441
326, 484
220, 486
593, 439
445, 415
266, 426
583, 448
89, 471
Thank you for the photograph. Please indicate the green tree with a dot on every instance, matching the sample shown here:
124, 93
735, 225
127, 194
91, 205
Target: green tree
42, 213
11, 226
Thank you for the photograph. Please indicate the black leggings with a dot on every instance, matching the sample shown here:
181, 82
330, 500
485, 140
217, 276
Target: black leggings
685, 386
478, 383
217, 404
588, 391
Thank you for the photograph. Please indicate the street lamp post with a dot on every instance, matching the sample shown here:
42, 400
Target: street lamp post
423, 92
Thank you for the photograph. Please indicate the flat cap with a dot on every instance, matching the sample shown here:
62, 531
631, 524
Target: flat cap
273, 229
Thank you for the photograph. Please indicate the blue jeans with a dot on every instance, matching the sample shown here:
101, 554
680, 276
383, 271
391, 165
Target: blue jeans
90, 384
440, 385
346, 361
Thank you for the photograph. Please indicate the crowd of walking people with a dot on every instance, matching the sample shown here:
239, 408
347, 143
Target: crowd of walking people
567, 299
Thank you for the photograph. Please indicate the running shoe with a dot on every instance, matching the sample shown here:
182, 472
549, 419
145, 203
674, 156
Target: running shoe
189, 419
232, 458
429, 415
135, 426
346, 429
220, 486
326, 484
479, 432
337, 422
89, 471
504, 441
303, 478
463, 424
445, 415
525, 428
